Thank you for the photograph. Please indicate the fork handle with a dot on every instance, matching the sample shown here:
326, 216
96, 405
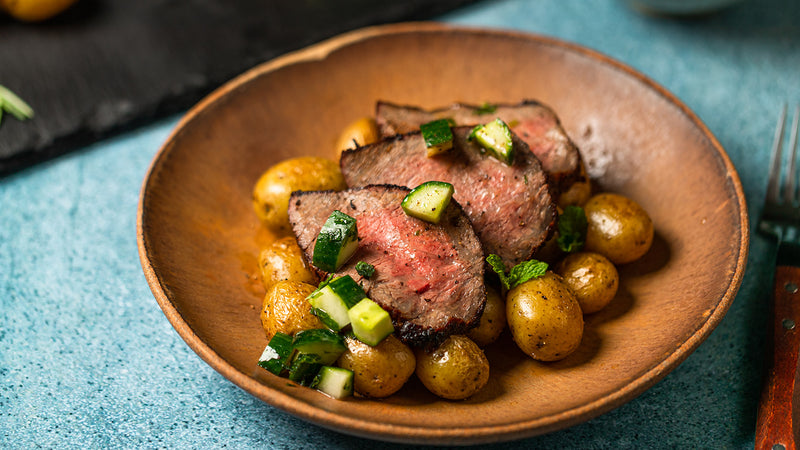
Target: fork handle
778, 424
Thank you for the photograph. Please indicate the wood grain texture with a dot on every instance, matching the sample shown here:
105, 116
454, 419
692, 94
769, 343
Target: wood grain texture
196, 220
107, 66
779, 409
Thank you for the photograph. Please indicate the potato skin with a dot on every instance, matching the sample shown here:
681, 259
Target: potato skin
619, 228
579, 192
454, 370
378, 371
592, 277
493, 320
286, 309
271, 192
283, 261
363, 131
544, 317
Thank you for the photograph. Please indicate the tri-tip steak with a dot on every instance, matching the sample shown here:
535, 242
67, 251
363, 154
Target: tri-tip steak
429, 277
510, 206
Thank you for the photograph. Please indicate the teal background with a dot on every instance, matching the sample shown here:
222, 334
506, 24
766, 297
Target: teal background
87, 358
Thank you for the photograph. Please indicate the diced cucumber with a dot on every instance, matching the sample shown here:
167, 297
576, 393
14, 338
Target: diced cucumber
336, 242
438, 136
304, 368
371, 323
331, 302
276, 353
495, 137
334, 381
428, 200
325, 344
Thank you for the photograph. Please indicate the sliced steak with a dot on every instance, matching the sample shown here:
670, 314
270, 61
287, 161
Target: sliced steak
429, 277
510, 207
536, 124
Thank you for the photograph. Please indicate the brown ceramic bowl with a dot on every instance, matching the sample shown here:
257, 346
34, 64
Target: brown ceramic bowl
198, 235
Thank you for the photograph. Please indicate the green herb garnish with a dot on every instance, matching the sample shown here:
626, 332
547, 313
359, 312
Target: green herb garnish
485, 108
12, 104
571, 229
322, 284
522, 272
365, 269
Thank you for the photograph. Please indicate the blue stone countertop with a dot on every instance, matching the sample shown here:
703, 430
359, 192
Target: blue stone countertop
87, 358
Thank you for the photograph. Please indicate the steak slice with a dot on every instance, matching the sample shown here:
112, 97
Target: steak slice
535, 123
428, 277
510, 207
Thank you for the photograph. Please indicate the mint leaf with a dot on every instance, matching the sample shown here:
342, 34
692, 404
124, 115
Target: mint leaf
364, 269
499, 268
522, 272
571, 229
526, 270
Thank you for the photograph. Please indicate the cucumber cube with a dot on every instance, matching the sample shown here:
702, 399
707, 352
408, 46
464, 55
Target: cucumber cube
495, 137
325, 345
428, 200
336, 242
276, 353
371, 323
334, 381
438, 136
332, 302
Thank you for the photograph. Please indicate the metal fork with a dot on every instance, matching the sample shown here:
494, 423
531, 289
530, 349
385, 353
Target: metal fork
778, 424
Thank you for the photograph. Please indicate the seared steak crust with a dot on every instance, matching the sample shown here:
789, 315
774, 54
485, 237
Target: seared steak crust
510, 207
535, 123
428, 277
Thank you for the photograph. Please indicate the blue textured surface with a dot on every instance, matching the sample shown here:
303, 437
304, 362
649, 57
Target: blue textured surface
87, 359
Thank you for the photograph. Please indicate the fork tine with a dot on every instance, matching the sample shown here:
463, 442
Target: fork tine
773, 185
791, 177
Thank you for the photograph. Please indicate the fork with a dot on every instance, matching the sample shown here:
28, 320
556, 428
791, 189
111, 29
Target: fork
778, 423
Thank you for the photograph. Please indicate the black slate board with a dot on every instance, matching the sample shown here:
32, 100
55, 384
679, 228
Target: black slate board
107, 66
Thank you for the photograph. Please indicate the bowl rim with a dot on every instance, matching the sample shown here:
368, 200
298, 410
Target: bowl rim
417, 434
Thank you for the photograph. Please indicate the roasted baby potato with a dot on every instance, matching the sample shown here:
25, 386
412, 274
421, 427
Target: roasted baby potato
283, 261
544, 317
454, 370
579, 192
361, 132
34, 10
272, 191
378, 371
592, 277
493, 320
286, 309
619, 228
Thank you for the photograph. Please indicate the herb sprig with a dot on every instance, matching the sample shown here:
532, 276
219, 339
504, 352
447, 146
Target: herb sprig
522, 272
12, 104
572, 226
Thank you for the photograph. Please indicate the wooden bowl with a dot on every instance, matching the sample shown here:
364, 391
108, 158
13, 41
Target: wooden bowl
198, 235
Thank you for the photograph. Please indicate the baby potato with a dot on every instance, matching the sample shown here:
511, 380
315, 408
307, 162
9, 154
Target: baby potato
271, 192
283, 261
34, 10
579, 192
454, 370
378, 371
592, 277
544, 317
618, 228
492, 322
363, 131
286, 309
